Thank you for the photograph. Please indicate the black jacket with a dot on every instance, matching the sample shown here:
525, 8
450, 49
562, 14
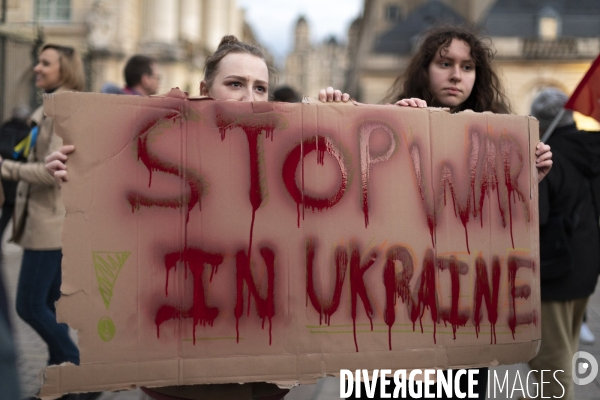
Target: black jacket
11, 133
569, 200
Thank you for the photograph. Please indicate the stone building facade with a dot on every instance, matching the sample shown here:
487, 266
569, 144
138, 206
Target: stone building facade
179, 34
544, 43
308, 67
538, 43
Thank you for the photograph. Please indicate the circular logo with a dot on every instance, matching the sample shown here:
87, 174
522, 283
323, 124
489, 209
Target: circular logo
106, 329
585, 368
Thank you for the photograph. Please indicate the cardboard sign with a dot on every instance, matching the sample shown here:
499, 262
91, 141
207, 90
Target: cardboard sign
213, 242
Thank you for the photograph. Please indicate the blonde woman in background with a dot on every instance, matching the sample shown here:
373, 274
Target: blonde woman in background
39, 211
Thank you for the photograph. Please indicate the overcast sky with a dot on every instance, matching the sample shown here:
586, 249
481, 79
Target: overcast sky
273, 21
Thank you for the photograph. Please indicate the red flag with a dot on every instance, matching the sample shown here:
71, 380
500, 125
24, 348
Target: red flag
586, 98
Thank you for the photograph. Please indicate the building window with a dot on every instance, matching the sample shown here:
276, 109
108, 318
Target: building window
549, 24
392, 13
53, 10
548, 28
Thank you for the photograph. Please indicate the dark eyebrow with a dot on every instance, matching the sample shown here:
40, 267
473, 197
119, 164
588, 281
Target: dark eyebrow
241, 78
470, 60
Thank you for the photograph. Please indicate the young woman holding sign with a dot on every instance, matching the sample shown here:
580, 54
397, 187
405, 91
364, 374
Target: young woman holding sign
452, 68
236, 71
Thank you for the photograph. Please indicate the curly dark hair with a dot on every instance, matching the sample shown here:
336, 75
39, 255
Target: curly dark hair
487, 93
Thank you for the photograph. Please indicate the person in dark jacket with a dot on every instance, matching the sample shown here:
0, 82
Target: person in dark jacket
569, 205
12, 132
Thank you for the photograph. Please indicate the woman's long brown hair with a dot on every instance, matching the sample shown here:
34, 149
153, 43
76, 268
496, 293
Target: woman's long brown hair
487, 93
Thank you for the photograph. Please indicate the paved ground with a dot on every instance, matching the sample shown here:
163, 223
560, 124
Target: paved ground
33, 353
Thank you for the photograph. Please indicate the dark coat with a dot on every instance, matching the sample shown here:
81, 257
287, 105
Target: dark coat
11, 133
569, 200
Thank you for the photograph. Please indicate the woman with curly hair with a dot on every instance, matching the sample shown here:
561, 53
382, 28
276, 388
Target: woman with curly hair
452, 68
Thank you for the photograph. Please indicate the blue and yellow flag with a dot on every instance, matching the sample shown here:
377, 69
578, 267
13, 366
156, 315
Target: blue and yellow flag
25, 145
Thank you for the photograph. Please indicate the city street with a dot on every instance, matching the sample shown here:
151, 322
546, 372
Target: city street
32, 352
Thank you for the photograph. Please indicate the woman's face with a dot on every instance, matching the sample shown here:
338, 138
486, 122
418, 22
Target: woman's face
452, 75
47, 70
240, 77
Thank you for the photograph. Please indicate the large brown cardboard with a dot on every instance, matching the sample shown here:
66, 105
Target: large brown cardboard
380, 237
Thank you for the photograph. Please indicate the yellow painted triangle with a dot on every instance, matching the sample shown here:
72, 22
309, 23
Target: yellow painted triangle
107, 266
